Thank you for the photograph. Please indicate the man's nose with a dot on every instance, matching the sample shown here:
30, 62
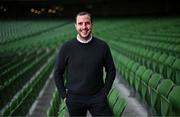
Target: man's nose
84, 26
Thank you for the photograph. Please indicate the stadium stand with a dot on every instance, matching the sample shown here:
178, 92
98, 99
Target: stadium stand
145, 50
146, 65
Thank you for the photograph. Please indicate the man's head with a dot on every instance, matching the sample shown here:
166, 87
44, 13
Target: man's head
83, 25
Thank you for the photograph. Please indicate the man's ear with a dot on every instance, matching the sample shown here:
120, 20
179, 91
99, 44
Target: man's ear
75, 25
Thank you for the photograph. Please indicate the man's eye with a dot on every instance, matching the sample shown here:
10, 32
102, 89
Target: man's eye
80, 23
87, 22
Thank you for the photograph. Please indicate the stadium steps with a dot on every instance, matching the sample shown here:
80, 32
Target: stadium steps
135, 107
42, 102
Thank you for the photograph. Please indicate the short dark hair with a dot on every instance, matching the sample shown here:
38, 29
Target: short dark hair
83, 13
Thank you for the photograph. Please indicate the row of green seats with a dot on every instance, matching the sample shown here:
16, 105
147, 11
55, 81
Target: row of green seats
168, 48
18, 66
168, 66
14, 84
151, 86
23, 29
17, 57
21, 104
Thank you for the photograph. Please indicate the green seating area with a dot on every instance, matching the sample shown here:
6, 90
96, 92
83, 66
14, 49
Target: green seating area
20, 105
16, 30
147, 56
28, 50
146, 52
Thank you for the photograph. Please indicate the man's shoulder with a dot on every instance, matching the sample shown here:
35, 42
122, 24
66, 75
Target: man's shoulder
100, 41
67, 43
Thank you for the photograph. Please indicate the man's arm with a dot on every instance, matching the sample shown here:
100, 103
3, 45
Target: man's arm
110, 70
59, 72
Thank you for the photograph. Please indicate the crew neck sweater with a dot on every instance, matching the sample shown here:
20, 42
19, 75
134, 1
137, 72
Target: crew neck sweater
81, 64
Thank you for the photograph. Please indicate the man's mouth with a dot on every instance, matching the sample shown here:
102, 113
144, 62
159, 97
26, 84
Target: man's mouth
84, 32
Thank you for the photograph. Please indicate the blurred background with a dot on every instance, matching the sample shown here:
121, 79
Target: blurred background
67, 8
143, 35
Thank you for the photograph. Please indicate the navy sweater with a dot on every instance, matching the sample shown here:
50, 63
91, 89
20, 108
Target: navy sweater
81, 64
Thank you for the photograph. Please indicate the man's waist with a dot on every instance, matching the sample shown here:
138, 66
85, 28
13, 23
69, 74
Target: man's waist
84, 94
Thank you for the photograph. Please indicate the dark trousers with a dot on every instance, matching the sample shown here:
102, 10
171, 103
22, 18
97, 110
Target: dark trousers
96, 104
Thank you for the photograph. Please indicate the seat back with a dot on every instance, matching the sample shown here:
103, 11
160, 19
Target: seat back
176, 76
175, 101
152, 88
164, 89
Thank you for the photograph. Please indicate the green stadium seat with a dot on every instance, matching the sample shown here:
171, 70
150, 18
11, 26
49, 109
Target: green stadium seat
15, 103
110, 92
50, 111
143, 56
127, 73
176, 71
54, 104
166, 47
62, 113
113, 98
138, 76
149, 61
155, 59
163, 89
177, 51
62, 109
56, 101
125, 61
132, 74
167, 71
144, 85
152, 88
159, 47
119, 107
162, 59
165, 105
175, 101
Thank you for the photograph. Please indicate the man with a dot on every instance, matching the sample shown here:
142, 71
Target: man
81, 60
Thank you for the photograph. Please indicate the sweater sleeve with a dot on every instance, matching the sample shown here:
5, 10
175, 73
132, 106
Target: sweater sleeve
110, 70
59, 72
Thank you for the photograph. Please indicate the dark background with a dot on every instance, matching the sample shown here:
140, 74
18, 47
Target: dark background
68, 8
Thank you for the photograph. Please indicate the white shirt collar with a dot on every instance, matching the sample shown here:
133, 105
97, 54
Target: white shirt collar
82, 40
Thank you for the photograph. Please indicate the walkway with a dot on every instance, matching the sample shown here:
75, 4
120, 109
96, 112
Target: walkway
40, 106
134, 106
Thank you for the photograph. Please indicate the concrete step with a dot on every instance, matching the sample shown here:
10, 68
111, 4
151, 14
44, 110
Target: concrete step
40, 106
134, 106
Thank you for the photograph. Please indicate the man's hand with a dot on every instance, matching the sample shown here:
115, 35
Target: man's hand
64, 100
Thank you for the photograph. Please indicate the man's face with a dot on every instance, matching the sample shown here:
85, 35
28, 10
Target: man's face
83, 26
